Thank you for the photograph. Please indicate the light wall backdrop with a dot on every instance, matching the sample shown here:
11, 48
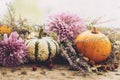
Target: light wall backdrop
36, 11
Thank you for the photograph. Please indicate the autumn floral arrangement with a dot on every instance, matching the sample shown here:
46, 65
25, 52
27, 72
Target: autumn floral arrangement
85, 47
78, 43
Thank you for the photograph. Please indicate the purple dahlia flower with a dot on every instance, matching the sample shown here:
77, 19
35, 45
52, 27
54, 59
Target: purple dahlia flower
12, 50
66, 25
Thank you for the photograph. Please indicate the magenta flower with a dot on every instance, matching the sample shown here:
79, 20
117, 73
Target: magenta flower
66, 25
12, 50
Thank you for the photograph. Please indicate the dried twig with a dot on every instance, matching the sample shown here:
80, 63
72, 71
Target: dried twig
76, 62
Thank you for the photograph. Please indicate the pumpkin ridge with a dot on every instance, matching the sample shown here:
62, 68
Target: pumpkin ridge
49, 49
33, 51
36, 50
55, 46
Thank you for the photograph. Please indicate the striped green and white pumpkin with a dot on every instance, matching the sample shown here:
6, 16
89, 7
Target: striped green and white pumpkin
41, 49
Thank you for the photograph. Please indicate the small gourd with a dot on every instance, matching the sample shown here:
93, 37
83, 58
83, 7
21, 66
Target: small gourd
42, 48
94, 45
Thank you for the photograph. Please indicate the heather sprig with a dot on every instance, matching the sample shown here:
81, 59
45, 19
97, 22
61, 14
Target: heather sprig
12, 50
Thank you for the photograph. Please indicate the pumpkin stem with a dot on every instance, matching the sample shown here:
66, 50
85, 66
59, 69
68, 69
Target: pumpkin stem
40, 32
94, 30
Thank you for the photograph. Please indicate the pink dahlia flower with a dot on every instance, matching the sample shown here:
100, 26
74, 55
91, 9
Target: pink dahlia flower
66, 25
12, 50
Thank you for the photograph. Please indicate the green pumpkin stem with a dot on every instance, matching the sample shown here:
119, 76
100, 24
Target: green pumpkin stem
94, 30
40, 33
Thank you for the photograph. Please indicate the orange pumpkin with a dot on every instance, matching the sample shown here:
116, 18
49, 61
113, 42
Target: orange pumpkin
94, 45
